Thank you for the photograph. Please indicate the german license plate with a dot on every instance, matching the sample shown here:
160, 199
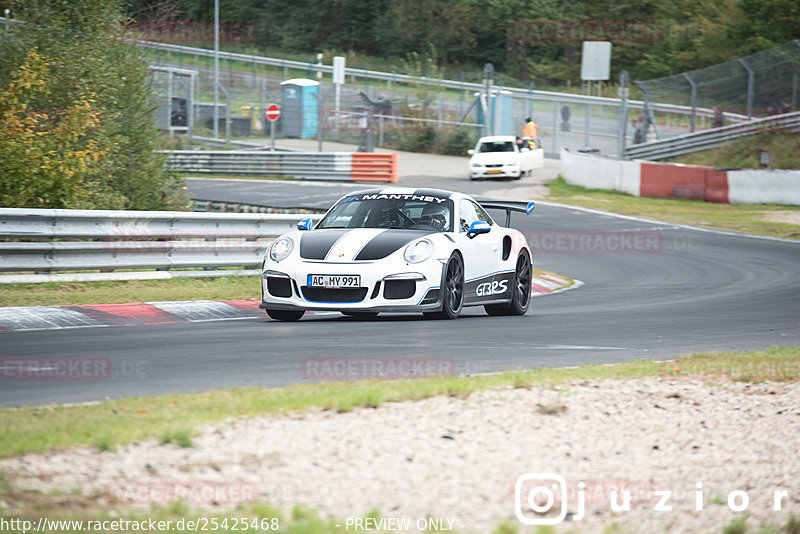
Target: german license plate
334, 280
495, 171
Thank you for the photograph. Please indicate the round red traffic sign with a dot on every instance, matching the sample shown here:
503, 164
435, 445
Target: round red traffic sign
273, 112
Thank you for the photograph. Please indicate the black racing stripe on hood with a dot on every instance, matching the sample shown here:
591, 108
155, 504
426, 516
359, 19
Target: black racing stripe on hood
387, 242
315, 245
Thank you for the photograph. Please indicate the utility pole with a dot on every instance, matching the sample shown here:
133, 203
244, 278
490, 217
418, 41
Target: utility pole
216, 69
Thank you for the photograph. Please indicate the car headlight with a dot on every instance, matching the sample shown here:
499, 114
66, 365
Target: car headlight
475, 165
418, 251
281, 248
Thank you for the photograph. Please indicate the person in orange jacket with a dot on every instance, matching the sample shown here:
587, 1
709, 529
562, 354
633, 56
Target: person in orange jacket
529, 132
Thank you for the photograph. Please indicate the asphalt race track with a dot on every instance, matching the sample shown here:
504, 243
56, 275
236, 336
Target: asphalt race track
672, 291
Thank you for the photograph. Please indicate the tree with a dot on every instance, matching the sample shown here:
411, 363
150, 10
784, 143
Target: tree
764, 24
47, 156
76, 97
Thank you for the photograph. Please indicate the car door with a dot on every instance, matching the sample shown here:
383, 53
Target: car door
481, 254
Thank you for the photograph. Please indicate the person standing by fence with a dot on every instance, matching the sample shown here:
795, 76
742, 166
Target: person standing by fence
530, 131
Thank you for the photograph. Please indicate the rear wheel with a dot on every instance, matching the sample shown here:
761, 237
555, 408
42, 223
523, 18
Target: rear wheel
286, 315
520, 291
453, 290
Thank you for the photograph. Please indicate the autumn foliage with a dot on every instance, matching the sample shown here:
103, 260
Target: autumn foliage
76, 113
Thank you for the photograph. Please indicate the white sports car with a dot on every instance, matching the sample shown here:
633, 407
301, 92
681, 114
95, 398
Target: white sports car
400, 250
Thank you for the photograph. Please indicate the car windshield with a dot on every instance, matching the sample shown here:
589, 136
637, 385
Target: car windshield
497, 146
403, 211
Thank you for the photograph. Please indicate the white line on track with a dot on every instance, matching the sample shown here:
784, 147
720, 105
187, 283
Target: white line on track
667, 223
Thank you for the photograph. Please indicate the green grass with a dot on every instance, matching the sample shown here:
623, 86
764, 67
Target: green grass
744, 153
748, 218
740, 526
180, 437
114, 422
75, 293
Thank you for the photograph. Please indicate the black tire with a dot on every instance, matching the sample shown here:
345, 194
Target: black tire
452, 290
520, 290
285, 315
360, 315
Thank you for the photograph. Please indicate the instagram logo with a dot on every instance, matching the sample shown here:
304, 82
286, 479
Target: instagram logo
538, 491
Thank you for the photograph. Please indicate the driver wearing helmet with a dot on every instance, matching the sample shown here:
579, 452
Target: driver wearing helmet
386, 215
437, 216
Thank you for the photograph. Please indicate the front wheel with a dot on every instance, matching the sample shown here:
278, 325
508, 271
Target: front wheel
285, 315
521, 290
453, 290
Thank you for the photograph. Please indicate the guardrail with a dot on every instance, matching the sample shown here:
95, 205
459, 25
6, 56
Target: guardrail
245, 145
684, 144
348, 166
111, 240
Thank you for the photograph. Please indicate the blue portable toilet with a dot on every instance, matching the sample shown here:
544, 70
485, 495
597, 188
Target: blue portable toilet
500, 110
299, 107
503, 123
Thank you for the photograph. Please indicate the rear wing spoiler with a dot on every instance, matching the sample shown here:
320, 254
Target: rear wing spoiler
508, 206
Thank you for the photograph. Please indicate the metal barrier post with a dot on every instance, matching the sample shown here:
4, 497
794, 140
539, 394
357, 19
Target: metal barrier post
694, 98
750, 83
227, 114
529, 102
488, 115
586, 133
555, 128
623, 114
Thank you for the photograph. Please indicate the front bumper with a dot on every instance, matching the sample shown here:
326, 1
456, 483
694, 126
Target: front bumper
504, 172
384, 288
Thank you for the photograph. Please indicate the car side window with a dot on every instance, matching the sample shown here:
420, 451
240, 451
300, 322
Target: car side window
481, 214
466, 214
469, 212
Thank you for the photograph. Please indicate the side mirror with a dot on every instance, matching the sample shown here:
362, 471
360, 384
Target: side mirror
305, 224
477, 228
470, 152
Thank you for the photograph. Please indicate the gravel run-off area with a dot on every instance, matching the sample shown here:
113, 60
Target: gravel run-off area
458, 459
